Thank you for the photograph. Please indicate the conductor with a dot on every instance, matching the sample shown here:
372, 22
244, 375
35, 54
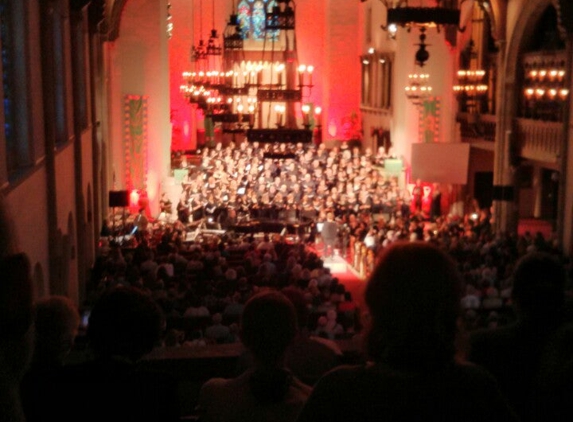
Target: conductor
329, 234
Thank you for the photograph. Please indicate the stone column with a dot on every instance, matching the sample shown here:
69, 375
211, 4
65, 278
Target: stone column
505, 193
564, 226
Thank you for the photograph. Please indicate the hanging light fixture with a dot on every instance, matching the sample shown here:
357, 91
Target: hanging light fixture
281, 16
169, 26
256, 97
471, 78
400, 14
545, 91
213, 46
418, 88
199, 51
233, 34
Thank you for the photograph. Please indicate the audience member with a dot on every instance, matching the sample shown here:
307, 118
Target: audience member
268, 391
16, 333
413, 298
56, 323
218, 333
515, 354
124, 326
308, 357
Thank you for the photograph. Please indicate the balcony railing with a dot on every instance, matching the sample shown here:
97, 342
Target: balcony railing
535, 139
539, 140
477, 127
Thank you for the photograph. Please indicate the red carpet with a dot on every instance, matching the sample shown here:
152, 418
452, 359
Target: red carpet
342, 270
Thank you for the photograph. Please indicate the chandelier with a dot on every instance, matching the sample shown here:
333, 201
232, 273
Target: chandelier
169, 22
400, 14
213, 46
258, 97
418, 88
545, 91
233, 35
472, 81
199, 51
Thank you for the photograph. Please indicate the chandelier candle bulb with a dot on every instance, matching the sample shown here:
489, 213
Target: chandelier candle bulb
301, 70
279, 111
305, 114
310, 70
318, 115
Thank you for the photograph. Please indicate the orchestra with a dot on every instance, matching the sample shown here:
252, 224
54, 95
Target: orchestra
286, 183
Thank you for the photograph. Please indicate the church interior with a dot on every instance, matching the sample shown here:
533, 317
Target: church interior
495, 105
254, 125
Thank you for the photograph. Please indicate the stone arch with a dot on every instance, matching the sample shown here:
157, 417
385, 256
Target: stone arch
38, 280
56, 285
495, 10
90, 226
115, 19
72, 235
71, 258
530, 13
90, 208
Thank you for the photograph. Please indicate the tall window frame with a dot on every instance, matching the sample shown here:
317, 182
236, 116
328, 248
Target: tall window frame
16, 111
376, 80
252, 15
57, 34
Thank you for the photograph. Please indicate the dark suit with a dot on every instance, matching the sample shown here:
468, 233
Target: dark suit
329, 234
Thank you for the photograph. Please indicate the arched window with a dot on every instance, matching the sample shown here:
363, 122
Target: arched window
252, 18
15, 98
5, 32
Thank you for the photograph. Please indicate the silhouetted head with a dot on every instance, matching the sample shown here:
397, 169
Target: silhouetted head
56, 324
268, 326
16, 298
297, 299
413, 298
16, 310
538, 286
124, 322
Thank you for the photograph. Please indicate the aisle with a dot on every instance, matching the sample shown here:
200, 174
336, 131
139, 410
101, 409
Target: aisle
342, 270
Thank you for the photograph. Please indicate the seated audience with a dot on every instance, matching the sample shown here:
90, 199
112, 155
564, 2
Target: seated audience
56, 323
124, 326
218, 333
309, 357
16, 333
413, 299
268, 391
517, 354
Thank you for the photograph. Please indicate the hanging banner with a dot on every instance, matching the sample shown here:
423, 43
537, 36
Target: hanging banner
135, 139
429, 123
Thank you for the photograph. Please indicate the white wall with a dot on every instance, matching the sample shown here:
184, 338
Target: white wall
139, 65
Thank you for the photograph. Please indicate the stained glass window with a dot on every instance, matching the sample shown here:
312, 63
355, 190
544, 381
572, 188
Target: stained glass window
6, 78
15, 98
258, 20
252, 18
244, 12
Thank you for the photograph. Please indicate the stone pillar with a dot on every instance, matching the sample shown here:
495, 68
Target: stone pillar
505, 193
564, 226
537, 191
